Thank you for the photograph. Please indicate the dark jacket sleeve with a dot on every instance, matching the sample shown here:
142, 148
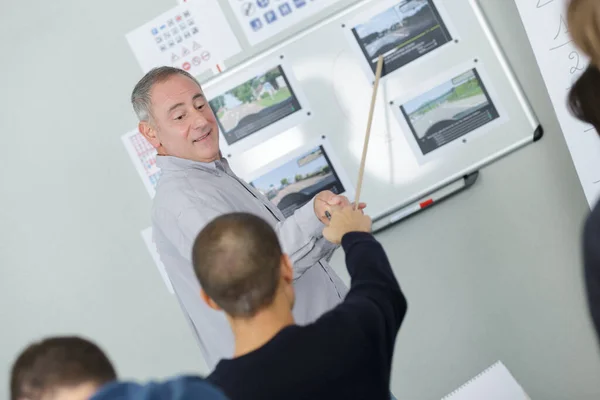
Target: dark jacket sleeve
375, 299
591, 258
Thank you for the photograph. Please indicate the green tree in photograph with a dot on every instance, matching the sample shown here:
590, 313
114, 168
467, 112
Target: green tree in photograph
218, 102
284, 182
271, 77
244, 92
298, 178
255, 82
466, 89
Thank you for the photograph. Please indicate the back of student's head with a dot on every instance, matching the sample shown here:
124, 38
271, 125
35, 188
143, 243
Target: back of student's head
52, 367
237, 261
584, 97
583, 20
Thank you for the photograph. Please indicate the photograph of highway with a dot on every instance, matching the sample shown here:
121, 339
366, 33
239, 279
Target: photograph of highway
254, 105
401, 34
449, 111
296, 182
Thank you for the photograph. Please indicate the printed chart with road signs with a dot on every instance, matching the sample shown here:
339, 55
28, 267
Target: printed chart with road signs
143, 156
561, 64
193, 36
263, 19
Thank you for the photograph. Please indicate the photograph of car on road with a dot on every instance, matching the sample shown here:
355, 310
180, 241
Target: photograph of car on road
255, 104
449, 111
402, 34
297, 181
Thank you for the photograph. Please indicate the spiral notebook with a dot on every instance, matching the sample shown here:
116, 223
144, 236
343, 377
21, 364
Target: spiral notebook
495, 383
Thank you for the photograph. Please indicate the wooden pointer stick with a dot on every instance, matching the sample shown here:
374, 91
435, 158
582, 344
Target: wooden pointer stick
361, 170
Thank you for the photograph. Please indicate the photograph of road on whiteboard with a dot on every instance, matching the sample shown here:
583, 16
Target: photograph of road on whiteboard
254, 105
401, 34
449, 111
295, 183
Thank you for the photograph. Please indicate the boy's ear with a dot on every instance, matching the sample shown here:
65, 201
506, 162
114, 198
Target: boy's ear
210, 302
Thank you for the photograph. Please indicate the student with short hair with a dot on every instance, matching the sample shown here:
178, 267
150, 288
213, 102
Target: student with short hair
60, 368
345, 354
73, 368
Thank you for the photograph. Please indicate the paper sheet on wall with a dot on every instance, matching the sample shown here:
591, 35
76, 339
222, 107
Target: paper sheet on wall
263, 19
143, 156
495, 383
147, 236
193, 36
561, 63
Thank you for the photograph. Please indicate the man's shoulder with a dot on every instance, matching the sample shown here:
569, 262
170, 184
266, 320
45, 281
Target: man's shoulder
177, 192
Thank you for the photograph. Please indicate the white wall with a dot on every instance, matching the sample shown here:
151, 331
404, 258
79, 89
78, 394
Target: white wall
492, 274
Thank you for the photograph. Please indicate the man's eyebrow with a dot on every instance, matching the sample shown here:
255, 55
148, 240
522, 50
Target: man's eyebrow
174, 106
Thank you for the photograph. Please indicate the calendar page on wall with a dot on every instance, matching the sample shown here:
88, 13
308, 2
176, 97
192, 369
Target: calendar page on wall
561, 63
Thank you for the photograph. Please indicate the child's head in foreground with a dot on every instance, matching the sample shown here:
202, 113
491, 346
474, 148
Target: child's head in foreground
60, 368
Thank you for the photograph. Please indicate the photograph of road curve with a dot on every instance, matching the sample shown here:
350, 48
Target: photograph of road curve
402, 34
297, 181
449, 111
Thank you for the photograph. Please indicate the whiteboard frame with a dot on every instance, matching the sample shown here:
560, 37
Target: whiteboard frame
288, 122
349, 190
383, 5
536, 129
464, 140
339, 18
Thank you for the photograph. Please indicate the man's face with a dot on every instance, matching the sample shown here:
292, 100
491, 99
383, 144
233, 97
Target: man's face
183, 124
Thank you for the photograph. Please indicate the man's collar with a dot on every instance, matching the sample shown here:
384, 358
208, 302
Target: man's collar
171, 163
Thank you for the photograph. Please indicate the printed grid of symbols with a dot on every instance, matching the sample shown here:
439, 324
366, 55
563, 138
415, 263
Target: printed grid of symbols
264, 12
171, 35
147, 156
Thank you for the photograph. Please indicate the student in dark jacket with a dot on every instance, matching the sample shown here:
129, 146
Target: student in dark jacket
345, 354
584, 102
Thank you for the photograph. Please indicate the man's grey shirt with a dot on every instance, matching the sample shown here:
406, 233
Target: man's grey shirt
189, 195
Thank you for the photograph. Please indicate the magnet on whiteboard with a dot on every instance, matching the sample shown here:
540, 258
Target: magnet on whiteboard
218, 68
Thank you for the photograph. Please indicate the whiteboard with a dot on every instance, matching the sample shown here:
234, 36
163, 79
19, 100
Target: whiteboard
331, 74
561, 64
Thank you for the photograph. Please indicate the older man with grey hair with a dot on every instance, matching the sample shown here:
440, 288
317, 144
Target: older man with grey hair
197, 185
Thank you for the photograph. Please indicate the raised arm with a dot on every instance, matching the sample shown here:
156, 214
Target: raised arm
375, 304
375, 299
301, 234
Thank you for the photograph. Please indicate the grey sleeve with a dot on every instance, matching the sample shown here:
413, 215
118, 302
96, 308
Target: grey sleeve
301, 236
